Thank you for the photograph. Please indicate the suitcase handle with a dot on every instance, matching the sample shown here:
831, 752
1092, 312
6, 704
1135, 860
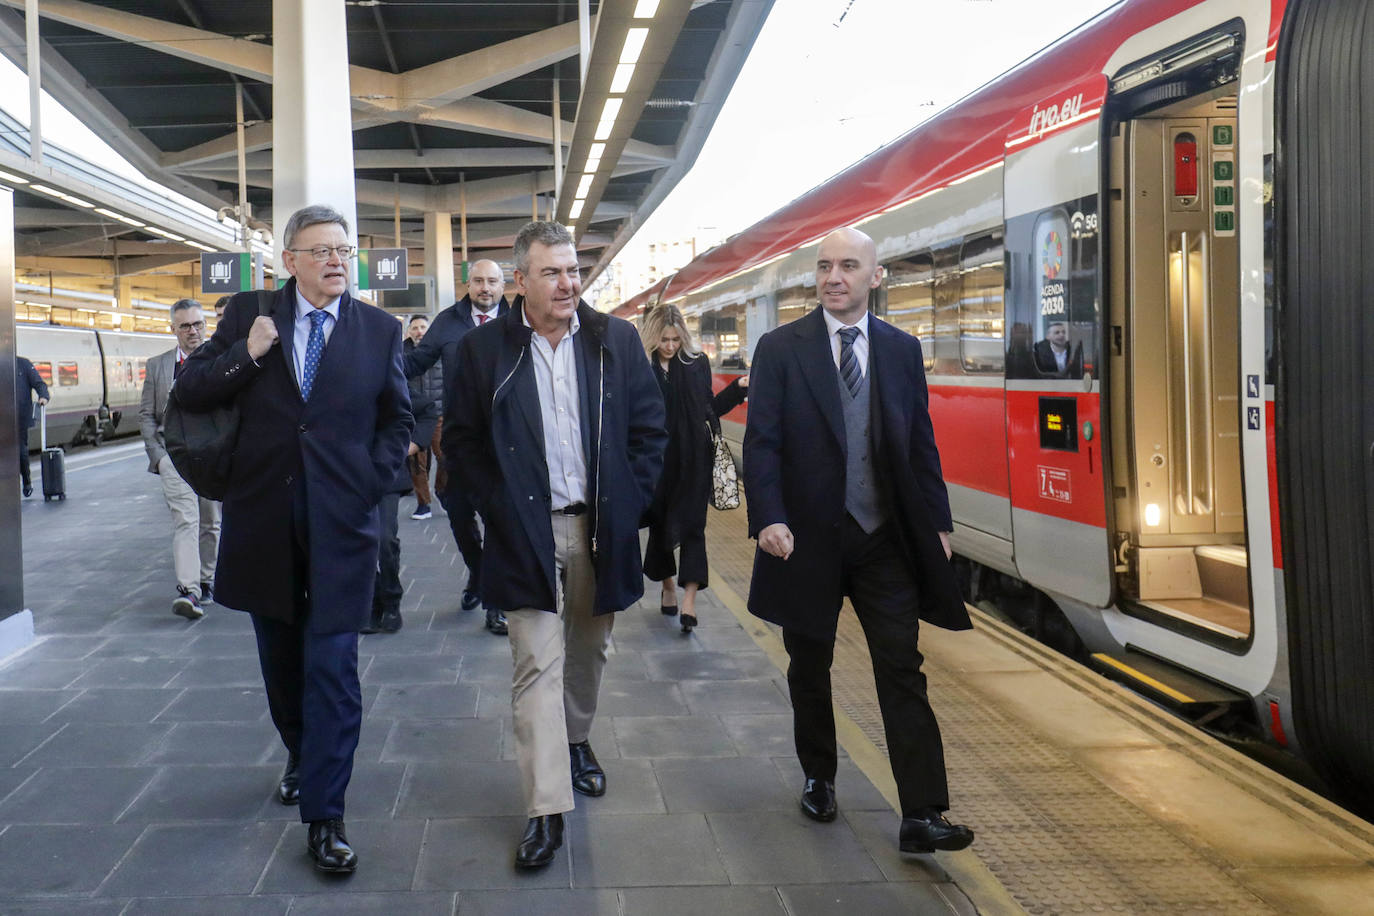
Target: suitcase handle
43, 426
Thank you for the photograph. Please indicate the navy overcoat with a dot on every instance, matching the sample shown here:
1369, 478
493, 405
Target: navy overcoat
794, 472
344, 447
493, 441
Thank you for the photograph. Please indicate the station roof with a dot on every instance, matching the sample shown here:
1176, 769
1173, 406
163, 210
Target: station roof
443, 93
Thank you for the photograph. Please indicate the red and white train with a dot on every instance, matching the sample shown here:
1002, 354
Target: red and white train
1177, 191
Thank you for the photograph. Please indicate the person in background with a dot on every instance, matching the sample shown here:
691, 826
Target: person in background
846, 497
678, 515
1053, 355
195, 519
27, 383
221, 304
483, 303
429, 386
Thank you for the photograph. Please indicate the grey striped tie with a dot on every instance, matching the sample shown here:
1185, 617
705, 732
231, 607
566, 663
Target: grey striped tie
849, 363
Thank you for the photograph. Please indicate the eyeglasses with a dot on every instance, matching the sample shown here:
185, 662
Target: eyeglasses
194, 325
322, 252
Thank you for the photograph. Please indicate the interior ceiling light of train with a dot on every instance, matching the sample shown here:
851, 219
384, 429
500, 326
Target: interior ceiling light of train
456, 107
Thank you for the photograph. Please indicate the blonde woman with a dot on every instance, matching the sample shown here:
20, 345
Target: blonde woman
678, 514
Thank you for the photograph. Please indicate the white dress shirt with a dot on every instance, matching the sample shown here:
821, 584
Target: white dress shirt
555, 375
301, 336
477, 314
833, 325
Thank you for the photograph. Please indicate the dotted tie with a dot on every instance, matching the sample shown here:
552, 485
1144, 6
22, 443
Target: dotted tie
482, 319
849, 363
314, 348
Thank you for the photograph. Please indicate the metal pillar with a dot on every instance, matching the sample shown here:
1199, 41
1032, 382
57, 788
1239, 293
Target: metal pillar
439, 258
312, 133
35, 81
16, 622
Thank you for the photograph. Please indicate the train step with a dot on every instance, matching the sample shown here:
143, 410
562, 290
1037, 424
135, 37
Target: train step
1189, 694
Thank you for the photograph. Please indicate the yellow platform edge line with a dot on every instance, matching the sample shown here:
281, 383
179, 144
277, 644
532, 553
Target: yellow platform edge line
964, 867
1143, 678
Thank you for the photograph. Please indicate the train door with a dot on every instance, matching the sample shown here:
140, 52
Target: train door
1173, 357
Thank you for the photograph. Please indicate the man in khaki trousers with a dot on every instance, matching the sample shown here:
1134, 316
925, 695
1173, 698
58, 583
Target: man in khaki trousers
195, 521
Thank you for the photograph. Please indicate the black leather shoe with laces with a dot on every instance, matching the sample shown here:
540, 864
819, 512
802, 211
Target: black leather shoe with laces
289, 789
818, 800
496, 622
587, 775
931, 831
470, 600
328, 845
543, 836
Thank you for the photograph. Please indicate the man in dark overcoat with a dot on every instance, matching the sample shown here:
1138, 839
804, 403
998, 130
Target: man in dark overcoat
27, 383
324, 426
556, 423
846, 497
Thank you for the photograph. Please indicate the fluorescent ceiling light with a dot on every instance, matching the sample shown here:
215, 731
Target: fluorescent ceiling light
621, 81
61, 195
597, 151
166, 235
592, 165
77, 201
608, 116
119, 216
634, 43
44, 189
200, 246
576, 210
645, 9
584, 185
14, 179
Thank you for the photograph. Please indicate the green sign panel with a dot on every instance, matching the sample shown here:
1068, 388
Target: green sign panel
383, 268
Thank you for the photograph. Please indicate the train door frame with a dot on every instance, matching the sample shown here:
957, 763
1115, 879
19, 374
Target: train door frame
1209, 67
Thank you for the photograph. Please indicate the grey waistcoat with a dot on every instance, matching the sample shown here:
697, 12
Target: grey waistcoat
860, 486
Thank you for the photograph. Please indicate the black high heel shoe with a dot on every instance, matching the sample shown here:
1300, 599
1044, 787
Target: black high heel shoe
667, 610
688, 622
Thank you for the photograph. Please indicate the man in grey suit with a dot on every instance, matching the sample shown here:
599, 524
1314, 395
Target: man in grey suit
195, 521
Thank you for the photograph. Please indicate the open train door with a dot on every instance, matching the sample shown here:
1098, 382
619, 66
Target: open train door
1054, 328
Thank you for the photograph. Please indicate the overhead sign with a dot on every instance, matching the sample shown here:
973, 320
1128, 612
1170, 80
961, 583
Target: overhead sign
223, 272
383, 268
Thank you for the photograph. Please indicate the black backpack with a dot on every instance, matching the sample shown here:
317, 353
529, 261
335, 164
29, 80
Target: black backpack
201, 444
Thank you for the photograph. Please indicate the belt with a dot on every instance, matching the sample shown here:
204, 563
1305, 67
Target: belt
572, 509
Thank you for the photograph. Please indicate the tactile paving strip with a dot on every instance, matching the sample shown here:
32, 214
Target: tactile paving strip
1057, 838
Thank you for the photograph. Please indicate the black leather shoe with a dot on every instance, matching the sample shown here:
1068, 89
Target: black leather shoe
328, 845
289, 789
374, 624
818, 800
28, 489
932, 831
689, 621
496, 622
587, 775
470, 600
390, 622
543, 836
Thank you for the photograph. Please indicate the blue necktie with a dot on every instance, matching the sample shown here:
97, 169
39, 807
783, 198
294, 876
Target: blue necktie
314, 348
849, 363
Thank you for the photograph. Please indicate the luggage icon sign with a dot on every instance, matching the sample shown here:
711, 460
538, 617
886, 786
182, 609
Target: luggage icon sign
220, 272
388, 268
226, 272
383, 268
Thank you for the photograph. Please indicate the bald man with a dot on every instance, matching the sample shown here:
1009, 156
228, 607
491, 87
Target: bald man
486, 283
846, 498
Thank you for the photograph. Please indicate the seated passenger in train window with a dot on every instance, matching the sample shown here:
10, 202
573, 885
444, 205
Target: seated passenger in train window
1055, 357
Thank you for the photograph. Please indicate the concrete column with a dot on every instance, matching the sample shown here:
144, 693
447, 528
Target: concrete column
16, 623
439, 258
312, 133
35, 81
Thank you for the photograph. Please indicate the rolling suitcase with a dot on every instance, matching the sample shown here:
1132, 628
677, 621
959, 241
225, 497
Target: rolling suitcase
53, 463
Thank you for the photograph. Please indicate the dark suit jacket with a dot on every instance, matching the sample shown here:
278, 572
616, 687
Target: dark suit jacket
1046, 364
344, 447
26, 380
441, 342
494, 423
794, 472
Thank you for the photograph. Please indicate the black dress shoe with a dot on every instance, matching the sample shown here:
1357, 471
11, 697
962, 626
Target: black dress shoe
328, 845
587, 775
931, 831
689, 621
470, 600
289, 789
374, 624
818, 800
543, 836
496, 622
28, 489
390, 622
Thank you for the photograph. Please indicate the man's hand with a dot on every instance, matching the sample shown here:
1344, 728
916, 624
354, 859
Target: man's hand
262, 336
776, 539
42, 401
944, 542
413, 450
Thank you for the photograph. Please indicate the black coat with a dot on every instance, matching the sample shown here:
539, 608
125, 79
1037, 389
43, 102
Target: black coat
441, 342
494, 424
693, 419
428, 384
426, 413
794, 472
344, 446
27, 383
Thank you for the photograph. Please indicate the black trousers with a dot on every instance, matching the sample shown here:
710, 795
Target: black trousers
24, 455
387, 593
462, 519
659, 562
878, 581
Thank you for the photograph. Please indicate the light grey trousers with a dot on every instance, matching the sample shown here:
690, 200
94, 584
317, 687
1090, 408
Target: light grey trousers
195, 529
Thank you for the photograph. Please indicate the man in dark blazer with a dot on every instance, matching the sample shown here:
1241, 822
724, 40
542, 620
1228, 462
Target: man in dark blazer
324, 425
846, 498
483, 303
556, 428
27, 383
1054, 357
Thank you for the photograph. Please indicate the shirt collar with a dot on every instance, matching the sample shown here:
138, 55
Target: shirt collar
303, 307
833, 324
572, 328
181, 354
490, 313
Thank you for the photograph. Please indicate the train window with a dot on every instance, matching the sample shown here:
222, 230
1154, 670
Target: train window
721, 334
44, 372
947, 292
68, 374
980, 304
910, 288
795, 302
1052, 256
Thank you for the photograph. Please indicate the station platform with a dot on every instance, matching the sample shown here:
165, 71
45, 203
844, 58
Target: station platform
138, 764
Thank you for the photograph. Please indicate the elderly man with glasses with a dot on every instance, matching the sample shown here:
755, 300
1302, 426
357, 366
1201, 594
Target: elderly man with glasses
324, 425
195, 520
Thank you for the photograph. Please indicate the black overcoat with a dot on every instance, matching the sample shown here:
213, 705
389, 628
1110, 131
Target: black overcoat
441, 341
494, 433
344, 447
693, 420
794, 472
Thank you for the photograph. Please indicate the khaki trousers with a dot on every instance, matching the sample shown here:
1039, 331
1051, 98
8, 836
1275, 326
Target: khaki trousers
195, 529
559, 658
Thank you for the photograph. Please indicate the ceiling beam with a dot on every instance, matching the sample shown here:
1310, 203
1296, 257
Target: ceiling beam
471, 73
